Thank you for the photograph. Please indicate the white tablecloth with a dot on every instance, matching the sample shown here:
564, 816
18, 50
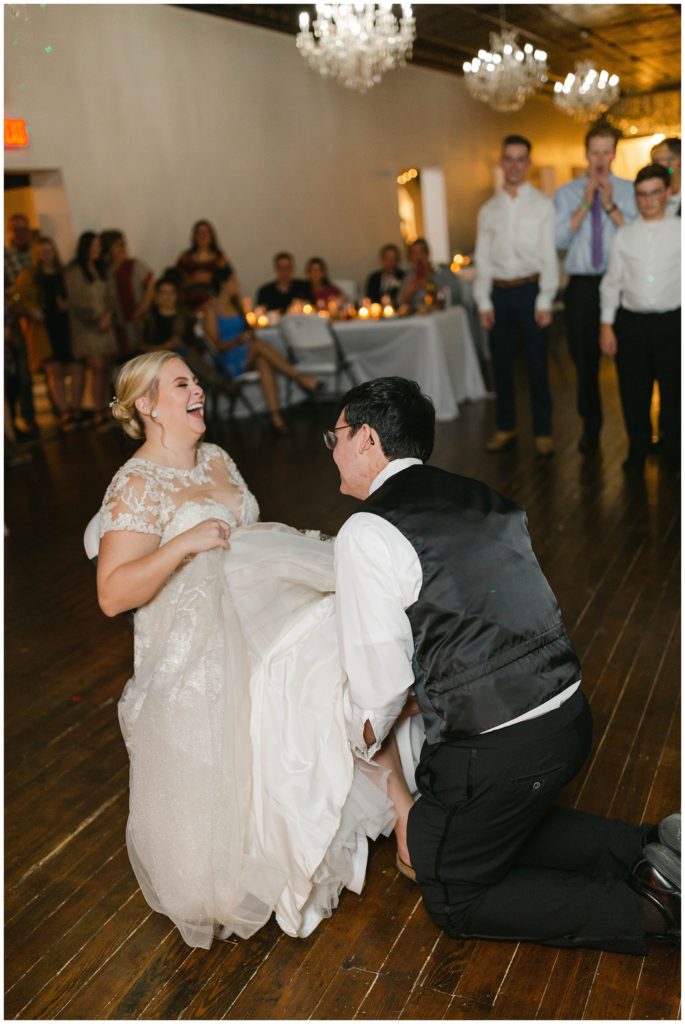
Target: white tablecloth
435, 350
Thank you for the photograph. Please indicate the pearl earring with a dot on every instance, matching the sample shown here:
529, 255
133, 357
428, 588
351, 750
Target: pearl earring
154, 414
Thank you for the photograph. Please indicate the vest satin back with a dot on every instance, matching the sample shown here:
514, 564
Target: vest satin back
488, 637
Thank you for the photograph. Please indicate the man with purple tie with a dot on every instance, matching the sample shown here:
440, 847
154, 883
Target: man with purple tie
589, 211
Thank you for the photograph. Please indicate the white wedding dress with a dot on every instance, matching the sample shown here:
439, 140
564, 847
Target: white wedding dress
245, 798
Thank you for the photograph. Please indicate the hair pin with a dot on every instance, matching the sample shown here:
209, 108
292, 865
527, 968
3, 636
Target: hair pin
113, 402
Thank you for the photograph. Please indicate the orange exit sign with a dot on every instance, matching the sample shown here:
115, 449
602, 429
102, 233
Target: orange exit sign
16, 136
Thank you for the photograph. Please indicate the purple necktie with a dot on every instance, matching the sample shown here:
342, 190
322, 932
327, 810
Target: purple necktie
597, 252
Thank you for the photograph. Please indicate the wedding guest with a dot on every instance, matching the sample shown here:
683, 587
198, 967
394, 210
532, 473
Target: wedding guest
41, 295
517, 276
91, 310
133, 288
667, 153
439, 592
279, 293
240, 349
640, 318
388, 279
198, 264
245, 799
321, 290
18, 257
19, 253
420, 282
589, 212
167, 325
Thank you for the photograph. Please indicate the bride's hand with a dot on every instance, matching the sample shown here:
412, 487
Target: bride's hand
211, 533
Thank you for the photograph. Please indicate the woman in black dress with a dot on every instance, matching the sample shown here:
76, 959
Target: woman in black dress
43, 296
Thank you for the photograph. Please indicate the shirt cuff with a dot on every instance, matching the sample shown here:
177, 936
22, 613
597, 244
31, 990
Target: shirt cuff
355, 719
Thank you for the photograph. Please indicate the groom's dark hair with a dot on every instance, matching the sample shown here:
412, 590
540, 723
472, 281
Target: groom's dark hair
402, 416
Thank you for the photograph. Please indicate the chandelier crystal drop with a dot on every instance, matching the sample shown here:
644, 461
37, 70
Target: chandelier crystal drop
586, 92
506, 75
356, 43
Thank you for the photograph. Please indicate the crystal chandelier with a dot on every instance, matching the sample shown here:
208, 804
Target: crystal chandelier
586, 92
356, 43
508, 75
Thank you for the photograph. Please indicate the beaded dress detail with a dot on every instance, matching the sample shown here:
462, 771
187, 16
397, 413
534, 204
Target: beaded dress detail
245, 798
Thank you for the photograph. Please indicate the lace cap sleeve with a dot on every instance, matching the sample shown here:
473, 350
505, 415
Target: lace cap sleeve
131, 503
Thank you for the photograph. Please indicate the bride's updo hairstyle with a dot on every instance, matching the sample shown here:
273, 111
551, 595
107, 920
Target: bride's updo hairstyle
137, 377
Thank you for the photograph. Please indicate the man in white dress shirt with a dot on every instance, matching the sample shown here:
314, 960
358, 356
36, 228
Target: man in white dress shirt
640, 318
439, 591
667, 153
517, 276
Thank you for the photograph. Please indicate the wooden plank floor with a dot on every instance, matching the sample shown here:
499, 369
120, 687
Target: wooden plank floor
80, 940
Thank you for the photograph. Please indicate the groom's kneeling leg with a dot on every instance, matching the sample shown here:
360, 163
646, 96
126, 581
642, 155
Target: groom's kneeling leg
559, 908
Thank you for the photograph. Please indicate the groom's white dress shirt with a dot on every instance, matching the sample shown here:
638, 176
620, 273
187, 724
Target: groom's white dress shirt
378, 576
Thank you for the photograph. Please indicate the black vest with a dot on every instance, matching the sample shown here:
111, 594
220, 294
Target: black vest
489, 643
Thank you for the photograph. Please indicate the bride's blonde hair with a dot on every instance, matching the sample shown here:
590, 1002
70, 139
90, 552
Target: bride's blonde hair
137, 377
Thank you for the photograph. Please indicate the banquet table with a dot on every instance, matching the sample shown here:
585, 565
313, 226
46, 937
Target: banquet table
435, 349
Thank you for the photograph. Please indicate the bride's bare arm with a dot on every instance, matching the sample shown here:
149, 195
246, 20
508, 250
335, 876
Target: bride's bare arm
133, 566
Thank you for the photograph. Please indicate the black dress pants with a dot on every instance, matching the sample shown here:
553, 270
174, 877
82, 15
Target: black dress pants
581, 300
496, 859
648, 349
515, 311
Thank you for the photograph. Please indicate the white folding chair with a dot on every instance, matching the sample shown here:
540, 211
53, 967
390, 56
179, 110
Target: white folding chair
347, 286
313, 345
208, 355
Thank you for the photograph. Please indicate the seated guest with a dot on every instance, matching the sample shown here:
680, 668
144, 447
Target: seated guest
387, 280
667, 153
240, 349
198, 264
640, 317
133, 283
166, 324
280, 293
420, 280
320, 288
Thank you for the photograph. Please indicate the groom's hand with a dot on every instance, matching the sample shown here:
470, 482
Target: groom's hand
410, 708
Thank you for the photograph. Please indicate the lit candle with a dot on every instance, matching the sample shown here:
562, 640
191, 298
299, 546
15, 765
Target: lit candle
364, 313
263, 320
376, 310
307, 308
388, 311
251, 318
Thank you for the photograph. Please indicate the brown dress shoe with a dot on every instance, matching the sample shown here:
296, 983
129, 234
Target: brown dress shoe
500, 439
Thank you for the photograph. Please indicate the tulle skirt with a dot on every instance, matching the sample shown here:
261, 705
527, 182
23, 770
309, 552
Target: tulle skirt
245, 799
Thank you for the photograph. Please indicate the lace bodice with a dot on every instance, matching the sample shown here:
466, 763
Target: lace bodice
145, 497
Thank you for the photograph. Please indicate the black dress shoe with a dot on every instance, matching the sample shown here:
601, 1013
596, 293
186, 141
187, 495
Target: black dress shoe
651, 883
588, 443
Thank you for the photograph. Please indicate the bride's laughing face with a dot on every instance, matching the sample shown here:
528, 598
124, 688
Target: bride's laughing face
180, 401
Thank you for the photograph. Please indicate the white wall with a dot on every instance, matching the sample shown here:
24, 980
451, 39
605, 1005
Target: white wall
157, 116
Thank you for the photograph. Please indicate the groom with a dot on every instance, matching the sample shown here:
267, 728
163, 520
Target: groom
439, 591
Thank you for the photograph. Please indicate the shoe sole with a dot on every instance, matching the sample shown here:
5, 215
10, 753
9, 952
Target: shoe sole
665, 861
669, 833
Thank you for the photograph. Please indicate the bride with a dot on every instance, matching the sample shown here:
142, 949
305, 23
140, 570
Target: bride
244, 796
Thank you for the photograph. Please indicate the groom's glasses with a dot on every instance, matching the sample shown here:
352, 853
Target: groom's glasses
330, 438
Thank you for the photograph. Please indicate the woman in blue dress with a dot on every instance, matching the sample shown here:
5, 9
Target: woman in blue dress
240, 349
